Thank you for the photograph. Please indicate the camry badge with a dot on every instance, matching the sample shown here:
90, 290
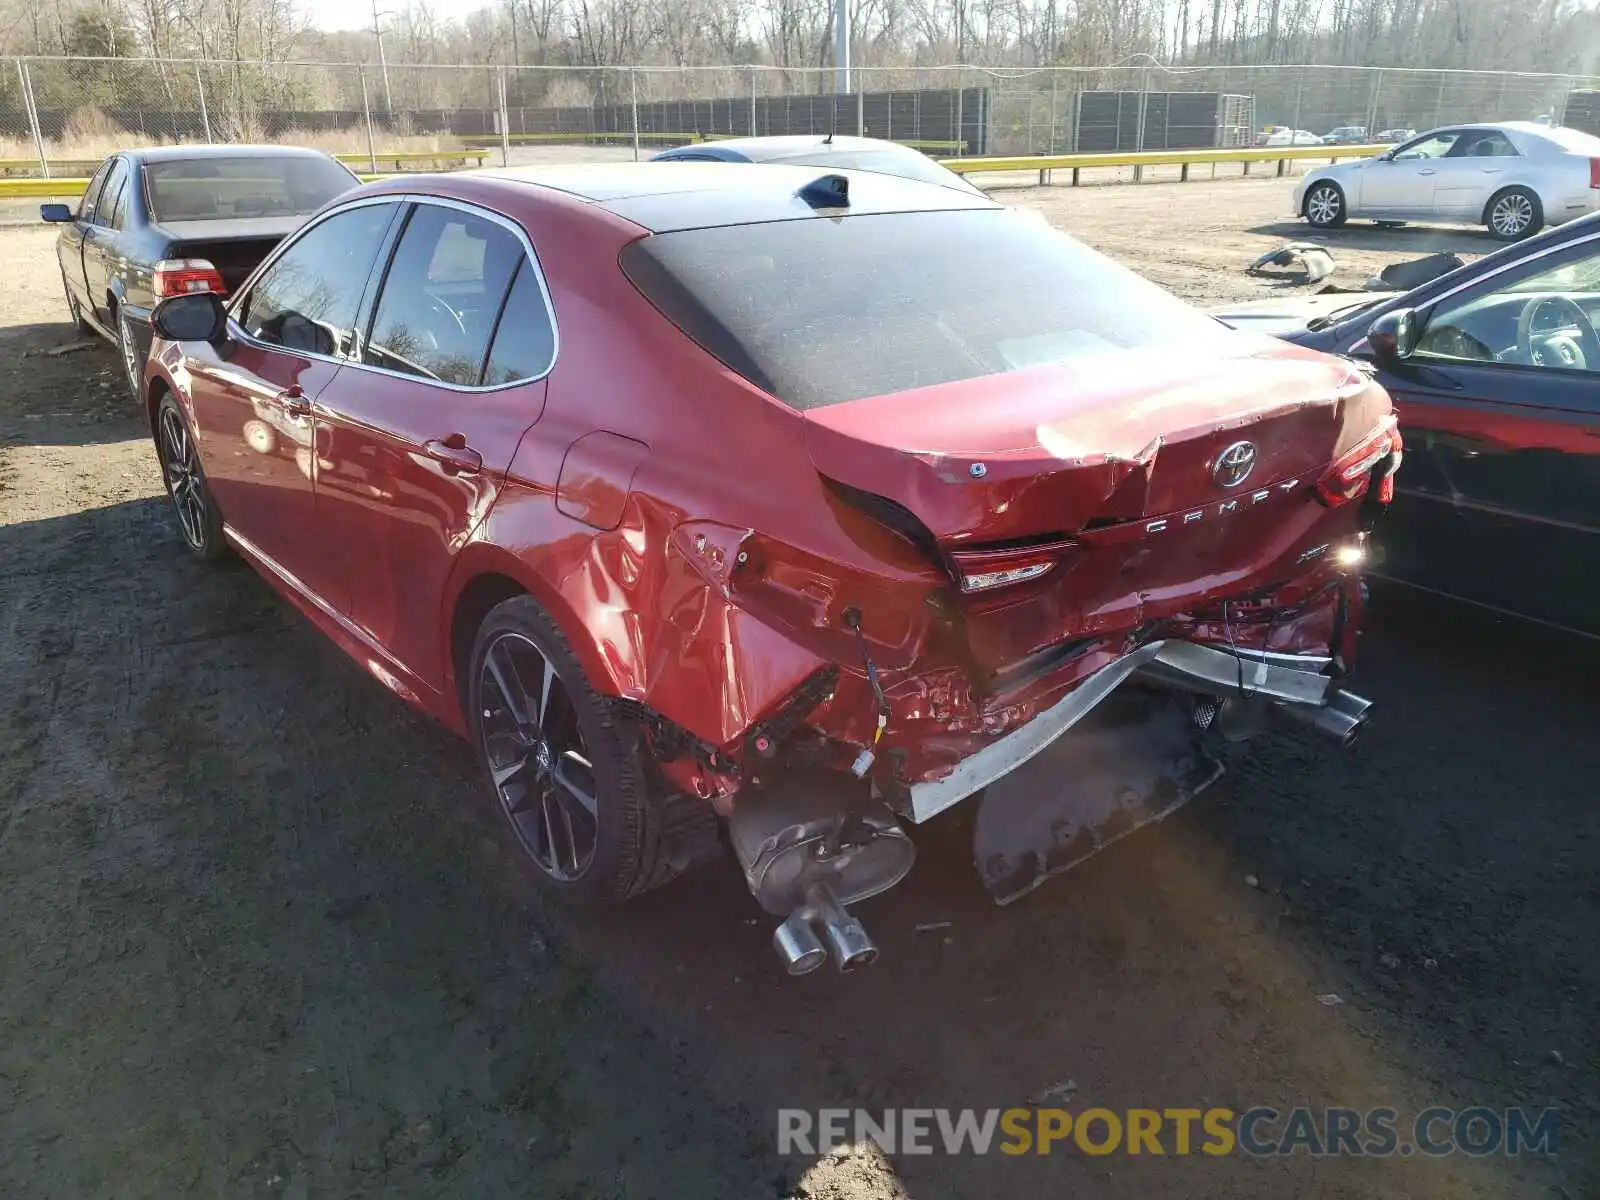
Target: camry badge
1233, 465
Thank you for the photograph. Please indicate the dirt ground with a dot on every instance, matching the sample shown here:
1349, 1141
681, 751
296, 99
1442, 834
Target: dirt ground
259, 941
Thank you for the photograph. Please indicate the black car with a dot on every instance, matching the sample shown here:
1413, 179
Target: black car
157, 222
1495, 370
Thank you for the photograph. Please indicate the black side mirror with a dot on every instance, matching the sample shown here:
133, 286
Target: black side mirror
1393, 336
195, 317
55, 213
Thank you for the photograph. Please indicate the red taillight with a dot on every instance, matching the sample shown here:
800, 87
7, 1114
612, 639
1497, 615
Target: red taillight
1348, 477
984, 569
181, 276
1594, 172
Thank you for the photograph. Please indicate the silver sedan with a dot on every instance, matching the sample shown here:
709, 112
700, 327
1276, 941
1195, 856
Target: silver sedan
1514, 178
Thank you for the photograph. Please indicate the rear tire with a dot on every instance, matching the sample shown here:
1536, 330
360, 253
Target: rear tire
132, 359
1325, 206
199, 518
561, 765
1513, 214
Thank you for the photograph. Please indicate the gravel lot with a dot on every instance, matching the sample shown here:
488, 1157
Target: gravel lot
258, 940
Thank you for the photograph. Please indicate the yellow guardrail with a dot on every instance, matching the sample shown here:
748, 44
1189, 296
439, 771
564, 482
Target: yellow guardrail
1042, 163
1139, 159
414, 156
68, 189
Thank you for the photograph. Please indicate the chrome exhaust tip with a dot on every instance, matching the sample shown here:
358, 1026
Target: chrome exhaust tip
1343, 719
847, 937
802, 951
797, 945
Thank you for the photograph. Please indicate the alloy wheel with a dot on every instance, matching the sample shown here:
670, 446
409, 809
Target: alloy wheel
1322, 206
538, 761
1511, 215
183, 478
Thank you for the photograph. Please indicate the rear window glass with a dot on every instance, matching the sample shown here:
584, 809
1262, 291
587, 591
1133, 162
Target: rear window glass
908, 164
818, 312
222, 189
1573, 140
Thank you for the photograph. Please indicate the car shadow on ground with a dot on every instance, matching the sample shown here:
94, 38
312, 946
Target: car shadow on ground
259, 935
1409, 239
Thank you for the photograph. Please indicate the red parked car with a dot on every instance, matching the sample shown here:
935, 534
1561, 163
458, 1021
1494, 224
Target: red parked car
803, 504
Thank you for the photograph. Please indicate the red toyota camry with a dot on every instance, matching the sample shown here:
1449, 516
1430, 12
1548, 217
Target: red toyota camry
802, 505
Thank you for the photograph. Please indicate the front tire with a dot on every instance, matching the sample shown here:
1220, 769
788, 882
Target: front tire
561, 765
1513, 214
1325, 206
199, 519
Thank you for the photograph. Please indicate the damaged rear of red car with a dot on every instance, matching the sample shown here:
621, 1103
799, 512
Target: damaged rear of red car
1006, 487
848, 499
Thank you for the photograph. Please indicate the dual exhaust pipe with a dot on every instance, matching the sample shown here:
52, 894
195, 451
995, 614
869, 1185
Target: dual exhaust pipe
1342, 719
803, 951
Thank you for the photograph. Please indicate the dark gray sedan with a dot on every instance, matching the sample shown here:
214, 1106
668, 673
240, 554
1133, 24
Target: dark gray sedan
164, 220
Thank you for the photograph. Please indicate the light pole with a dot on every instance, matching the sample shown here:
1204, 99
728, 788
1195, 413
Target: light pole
383, 62
841, 47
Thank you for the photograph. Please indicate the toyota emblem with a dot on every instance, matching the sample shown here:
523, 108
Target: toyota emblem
1233, 465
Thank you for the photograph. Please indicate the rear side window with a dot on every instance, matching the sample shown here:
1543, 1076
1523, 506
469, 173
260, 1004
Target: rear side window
525, 340
821, 311
307, 299
441, 295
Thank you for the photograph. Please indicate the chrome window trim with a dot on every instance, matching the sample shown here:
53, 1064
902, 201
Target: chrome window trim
400, 198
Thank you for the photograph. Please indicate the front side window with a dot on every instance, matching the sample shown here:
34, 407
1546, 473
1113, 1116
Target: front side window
91, 194
227, 188
106, 204
307, 300
1542, 316
819, 312
1435, 145
442, 292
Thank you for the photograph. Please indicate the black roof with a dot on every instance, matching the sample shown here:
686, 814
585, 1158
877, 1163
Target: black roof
664, 196
188, 153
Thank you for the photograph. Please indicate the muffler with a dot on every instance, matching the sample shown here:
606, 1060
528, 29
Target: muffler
810, 845
1343, 718
797, 943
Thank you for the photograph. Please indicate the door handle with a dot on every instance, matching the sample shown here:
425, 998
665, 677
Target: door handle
294, 401
1491, 170
453, 453
1428, 172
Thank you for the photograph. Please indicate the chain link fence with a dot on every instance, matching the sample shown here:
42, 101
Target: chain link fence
60, 115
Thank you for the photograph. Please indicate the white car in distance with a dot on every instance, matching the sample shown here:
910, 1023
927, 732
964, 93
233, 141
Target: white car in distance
1514, 178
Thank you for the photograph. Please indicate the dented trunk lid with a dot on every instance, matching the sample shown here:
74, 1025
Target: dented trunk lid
1122, 461
1056, 449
